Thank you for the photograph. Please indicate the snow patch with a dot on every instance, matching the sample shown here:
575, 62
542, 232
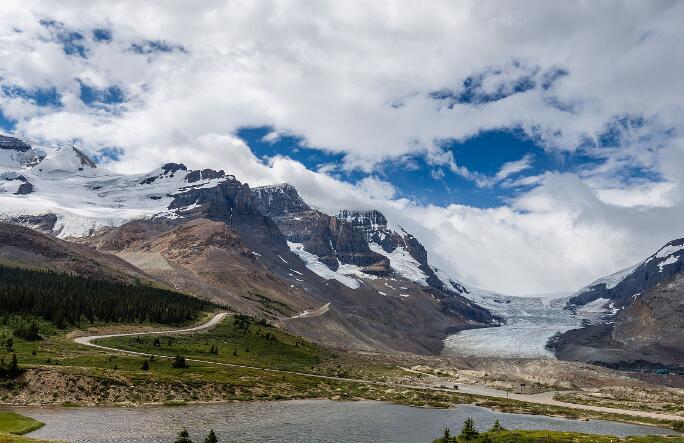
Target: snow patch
347, 269
402, 263
672, 259
597, 306
610, 281
668, 250
311, 261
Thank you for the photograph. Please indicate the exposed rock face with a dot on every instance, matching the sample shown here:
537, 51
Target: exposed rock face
204, 174
208, 259
24, 186
14, 144
375, 228
647, 332
85, 160
16, 152
364, 239
655, 269
655, 320
21, 246
333, 240
168, 170
232, 203
645, 336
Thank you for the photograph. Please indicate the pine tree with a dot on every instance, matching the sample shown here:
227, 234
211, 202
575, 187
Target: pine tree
468, 432
179, 362
211, 438
497, 427
71, 300
446, 437
183, 437
14, 366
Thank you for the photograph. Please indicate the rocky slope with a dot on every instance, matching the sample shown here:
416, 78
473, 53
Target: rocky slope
356, 243
619, 289
643, 326
27, 248
334, 241
263, 251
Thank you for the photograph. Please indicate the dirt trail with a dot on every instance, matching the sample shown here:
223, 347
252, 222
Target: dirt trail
545, 398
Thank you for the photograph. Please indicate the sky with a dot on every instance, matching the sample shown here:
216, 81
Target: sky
531, 146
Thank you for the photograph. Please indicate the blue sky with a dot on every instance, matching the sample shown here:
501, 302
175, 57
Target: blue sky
416, 178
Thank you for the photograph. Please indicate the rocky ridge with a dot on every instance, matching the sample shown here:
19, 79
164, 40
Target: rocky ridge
262, 251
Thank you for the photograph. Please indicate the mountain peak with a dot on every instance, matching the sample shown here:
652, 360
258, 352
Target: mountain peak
624, 286
65, 161
279, 200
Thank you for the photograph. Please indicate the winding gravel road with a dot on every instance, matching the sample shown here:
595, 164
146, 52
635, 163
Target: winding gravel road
544, 398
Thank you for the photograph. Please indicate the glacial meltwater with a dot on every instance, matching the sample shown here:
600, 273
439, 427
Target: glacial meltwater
292, 421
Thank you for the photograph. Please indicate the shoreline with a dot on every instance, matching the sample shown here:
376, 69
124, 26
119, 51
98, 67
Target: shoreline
155, 409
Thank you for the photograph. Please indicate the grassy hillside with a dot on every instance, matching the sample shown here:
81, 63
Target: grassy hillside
238, 340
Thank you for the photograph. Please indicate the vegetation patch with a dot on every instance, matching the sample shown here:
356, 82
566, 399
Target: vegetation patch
12, 438
498, 434
68, 300
11, 423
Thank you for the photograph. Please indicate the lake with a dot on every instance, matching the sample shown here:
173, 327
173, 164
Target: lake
291, 421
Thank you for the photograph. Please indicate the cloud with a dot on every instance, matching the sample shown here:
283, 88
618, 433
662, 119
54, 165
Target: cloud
513, 167
599, 80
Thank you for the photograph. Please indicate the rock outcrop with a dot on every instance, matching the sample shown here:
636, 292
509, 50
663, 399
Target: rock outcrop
645, 330
377, 231
331, 239
621, 288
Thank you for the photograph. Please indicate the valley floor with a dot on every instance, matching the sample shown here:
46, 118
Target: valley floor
240, 359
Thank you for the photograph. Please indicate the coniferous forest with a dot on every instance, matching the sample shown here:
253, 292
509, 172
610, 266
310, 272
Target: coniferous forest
67, 300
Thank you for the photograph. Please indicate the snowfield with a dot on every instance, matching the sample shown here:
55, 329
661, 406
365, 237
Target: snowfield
402, 263
312, 263
85, 197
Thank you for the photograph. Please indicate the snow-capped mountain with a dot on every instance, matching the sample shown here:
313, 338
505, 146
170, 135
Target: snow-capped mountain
351, 245
621, 288
62, 191
641, 325
262, 251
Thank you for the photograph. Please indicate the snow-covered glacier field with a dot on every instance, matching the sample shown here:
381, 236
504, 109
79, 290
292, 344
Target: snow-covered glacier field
530, 322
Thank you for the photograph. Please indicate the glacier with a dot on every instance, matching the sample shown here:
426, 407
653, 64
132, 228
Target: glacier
530, 322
